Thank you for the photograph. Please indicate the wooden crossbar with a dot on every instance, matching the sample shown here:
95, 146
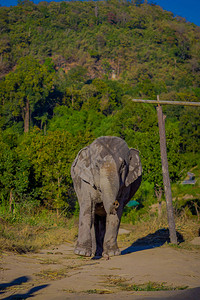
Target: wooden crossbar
167, 102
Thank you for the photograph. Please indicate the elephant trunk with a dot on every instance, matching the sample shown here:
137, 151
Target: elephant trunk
109, 185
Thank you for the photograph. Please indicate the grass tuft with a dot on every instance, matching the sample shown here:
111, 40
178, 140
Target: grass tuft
150, 286
123, 285
51, 274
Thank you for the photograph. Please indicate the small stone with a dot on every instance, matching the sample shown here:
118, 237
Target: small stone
123, 231
106, 256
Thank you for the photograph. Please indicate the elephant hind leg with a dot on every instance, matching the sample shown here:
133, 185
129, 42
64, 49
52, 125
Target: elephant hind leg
100, 229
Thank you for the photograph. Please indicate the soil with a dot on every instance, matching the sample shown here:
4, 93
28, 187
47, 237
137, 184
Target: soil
57, 273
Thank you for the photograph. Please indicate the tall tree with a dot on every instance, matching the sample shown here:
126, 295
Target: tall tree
14, 179
51, 157
22, 89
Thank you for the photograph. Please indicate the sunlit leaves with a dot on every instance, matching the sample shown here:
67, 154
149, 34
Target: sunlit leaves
51, 157
15, 170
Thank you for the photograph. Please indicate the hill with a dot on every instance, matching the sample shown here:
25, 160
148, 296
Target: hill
68, 72
116, 39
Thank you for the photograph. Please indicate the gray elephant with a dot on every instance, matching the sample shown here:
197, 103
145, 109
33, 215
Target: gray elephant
106, 175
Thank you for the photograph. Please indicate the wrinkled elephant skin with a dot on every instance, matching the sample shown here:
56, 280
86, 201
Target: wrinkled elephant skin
106, 175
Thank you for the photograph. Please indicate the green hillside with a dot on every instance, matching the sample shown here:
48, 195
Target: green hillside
68, 72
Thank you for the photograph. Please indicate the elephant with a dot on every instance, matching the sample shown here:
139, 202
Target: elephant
106, 174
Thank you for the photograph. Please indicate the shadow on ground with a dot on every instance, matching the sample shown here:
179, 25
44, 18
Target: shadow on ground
17, 281
4, 287
153, 240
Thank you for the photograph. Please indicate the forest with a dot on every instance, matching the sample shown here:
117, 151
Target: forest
68, 72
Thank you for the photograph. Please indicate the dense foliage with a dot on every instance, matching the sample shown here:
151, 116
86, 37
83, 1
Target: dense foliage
68, 72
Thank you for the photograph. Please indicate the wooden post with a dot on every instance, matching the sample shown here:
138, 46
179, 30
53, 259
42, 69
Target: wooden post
166, 179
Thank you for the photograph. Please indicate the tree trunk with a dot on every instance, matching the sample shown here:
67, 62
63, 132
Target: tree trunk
197, 211
118, 69
45, 128
27, 117
11, 202
96, 11
166, 179
58, 198
72, 100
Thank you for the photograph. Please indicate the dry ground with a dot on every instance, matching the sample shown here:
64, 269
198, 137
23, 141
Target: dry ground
58, 274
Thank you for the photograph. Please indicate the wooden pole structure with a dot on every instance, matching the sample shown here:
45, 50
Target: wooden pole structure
165, 172
163, 150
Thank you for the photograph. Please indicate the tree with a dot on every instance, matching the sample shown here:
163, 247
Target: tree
137, 2
190, 129
22, 89
22, 2
14, 179
51, 157
75, 121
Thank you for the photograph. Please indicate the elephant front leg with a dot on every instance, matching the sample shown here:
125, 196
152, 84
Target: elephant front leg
84, 242
110, 246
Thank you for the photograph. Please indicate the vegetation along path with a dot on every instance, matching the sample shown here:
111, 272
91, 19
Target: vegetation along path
143, 271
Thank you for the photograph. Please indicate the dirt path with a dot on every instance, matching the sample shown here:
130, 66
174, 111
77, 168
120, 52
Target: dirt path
58, 274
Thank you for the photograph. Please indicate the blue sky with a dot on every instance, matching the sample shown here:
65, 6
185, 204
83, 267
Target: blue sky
188, 9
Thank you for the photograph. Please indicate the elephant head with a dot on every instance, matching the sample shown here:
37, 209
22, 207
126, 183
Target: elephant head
101, 174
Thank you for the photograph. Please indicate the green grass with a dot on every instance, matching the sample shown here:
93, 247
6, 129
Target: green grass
56, 274
122, 284
150, 286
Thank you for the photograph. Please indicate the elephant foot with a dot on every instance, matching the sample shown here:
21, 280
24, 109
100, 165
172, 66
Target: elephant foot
111, 252
82, 252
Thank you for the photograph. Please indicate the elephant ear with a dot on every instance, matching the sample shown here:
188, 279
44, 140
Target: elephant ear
82, 166
135, 167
